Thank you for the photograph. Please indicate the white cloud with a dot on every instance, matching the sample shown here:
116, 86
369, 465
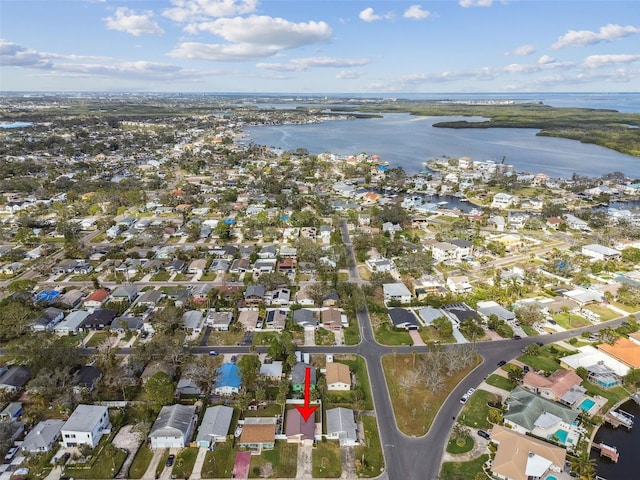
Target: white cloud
581, 38
596, 61
301, 64
349, 75
416, 12
194, 10
137, 24
475, 3
546, 59
266, 31
251, 38
367, 15
523, 50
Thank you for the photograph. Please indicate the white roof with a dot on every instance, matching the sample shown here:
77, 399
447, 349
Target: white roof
396, 289
84, 418
590, 356
536, 465
601, 249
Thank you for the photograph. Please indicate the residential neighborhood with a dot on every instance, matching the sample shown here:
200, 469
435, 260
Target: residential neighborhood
171, 293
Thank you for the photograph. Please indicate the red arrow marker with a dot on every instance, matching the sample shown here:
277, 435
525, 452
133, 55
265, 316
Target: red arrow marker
307, 410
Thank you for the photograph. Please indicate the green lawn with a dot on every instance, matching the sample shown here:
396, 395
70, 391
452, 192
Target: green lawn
386, 336
358, 366
529, 330
352, 332
545, 360
106, 462
326, 460
219, 463
571, 321
605, 313
324, 337
474, 414
431, 334
184, 463
98, 339
463, 470
270, 410
453, 447
162, 463
500, 382
369, 459
140, 462
161, 276
225, 338
283, 459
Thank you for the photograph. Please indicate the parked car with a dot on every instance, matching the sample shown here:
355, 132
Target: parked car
65, 457
12, 451
540, 344
170, 460
502, 362
214, 353
526, 369
517, 337
464, 398
484, 434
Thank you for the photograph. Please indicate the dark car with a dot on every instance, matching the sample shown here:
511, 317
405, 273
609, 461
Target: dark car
526, 369
170, 460
517, 337
65, 457
484, 434
540, 344
502, 362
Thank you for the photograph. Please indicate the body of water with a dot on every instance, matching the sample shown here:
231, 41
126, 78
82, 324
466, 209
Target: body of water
627, 444
15, 125
407, 141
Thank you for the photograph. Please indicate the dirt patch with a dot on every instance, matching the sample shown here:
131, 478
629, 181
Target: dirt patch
127, 438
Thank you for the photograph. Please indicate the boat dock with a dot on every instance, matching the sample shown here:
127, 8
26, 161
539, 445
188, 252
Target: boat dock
618, 418
607, 451
636, 398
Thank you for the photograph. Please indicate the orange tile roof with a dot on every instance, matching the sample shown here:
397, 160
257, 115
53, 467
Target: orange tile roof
98, 295
624, 350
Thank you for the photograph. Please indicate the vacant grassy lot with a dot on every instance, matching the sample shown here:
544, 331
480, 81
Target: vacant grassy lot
369, 459
225, 338
106, 462
474, 414
282, 461
184, 463
140, 462
500, 382
569, 321
352, 332
386, 336
219, 463
605, 313
326, 460
463, 470
546, 359
416, 407
431, 334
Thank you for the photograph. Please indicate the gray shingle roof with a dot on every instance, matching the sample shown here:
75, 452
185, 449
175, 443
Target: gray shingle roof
173, 420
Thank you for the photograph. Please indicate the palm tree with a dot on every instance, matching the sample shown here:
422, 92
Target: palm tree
583, 465
460, 433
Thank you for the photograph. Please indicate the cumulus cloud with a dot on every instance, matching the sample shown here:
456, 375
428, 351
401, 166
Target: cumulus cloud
137, 24
193, 10
546, 59
596, 61
349, 75
301, 64
475, 3
251, 38
416, 12
522, 50
581, 38
368, 15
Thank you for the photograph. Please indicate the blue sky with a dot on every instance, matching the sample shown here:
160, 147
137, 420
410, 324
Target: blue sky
327, 46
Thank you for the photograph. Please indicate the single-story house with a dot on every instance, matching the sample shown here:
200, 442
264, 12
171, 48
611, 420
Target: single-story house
305, 318
219, 320
192, 321
402, 318
338, 376
297, 429
396, 292
124, 293
258, 433
11, 412
15, 378
215, 426
72, 323
187, 386
298, 373
341, 425
272, 371
332, 319
48, 319
85, 379
42, 437
96, 298
248, 319
99, 319
173, 427
228, 380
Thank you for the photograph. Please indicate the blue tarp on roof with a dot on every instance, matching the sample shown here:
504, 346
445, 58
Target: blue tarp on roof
229, 221
228, 376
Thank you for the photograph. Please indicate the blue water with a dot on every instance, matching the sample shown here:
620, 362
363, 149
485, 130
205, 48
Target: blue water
551, 477
562, 436
15, 125
407, 141
586, 404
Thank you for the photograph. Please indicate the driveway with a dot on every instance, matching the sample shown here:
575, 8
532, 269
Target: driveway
150, 474
348, 462
304, 461
197, 466
129, 440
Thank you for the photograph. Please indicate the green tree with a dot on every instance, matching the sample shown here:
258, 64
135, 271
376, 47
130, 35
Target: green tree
249, 366
160, 388
515, 374
583, 465
444, 326
529, 313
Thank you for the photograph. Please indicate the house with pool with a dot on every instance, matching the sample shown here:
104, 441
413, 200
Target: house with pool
528, 413
521, 457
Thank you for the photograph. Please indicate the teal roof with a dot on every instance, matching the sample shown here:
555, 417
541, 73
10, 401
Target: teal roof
524, 408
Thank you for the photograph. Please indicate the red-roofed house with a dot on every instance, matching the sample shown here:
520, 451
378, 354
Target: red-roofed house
97, 298
553, 387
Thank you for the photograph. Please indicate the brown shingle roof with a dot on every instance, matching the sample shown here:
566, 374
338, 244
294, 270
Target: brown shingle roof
258, 433
338, 372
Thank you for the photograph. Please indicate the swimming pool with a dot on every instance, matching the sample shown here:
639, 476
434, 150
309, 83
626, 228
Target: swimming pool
551, 477
562, 436
586, 404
